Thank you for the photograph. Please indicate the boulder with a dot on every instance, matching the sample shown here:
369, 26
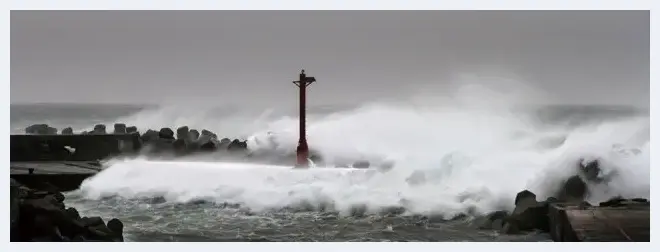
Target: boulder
149, 135
183, 133
206, 132
131, 129
528, 214
67, 131
42, 217
117, 228
194, 134
51, 131
37, 129
237, 145
574, 189
119, 128
180, 147
166, 133
99, 129
224, 143
206, 144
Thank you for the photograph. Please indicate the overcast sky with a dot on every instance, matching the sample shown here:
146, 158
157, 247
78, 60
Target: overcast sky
252, 56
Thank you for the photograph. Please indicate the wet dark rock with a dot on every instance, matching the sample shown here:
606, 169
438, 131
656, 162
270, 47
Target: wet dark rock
117, 228
131, 129
72, 213
37, 129
224, 143
206, 144
528, 214
362, 164
573, 190
149, 135
166, 133
183, 133
99, 129
119, 128
180, 146
40, 216
237, 145
194, 134
92, 221
51, 131
208, 133
67, 131
524, 196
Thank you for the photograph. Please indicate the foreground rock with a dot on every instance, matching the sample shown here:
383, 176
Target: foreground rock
41, 216
528, 215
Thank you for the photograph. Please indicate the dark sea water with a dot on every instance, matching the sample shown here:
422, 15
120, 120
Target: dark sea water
447, 162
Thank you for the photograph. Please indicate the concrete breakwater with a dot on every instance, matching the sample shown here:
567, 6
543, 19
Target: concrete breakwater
101, 143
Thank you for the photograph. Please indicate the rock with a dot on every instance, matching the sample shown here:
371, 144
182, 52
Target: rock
72, 213
93, 221
224, 143
117, 228
206, 144
573, 190
207, 133
51, 131
37, 129
362, 164
131, 129
166, 133
527, 215
149, 136
119, 128
237, 145
183, 133
194, 134
180, 146
99, 129
67, 131
524, 197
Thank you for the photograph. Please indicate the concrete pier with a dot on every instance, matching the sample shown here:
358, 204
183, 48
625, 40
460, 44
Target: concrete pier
54, 175
618, 223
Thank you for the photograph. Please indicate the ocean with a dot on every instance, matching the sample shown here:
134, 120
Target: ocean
450, 165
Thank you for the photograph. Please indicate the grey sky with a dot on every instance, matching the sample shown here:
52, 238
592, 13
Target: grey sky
252, 56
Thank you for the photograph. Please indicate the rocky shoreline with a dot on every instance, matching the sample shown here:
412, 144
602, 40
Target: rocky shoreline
530, 214
41, 216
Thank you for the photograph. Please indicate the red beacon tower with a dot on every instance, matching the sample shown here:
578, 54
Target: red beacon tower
302, 152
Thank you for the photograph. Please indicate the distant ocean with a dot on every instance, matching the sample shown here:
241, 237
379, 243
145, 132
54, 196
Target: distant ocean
473, 160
